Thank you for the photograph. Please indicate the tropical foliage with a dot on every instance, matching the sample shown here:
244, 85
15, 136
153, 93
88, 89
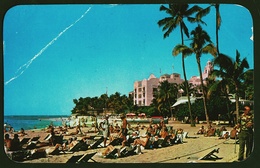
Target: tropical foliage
114, 103
177, 13
165, 97
200, 44
230, 76
232, 73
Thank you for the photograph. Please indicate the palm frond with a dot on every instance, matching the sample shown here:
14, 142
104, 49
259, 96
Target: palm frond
163, 8
196, 20
185, 29
223, 61
168, 32
213, 88
182, 49
164, 21
203, 13
192, 10
210, 48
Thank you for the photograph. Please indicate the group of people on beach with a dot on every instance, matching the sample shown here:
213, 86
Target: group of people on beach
156, 135
243, 131
124, 136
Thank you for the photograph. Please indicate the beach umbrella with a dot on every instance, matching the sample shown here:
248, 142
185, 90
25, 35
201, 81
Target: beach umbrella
142, 115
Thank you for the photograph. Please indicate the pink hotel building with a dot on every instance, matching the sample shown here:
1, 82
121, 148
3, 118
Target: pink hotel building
143, 90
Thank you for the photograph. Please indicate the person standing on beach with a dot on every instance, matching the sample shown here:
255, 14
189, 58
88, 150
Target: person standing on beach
245, 136
105, 128
15, 143
7, 142
124, 130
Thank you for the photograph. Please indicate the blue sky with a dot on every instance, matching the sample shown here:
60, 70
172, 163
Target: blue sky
84, 50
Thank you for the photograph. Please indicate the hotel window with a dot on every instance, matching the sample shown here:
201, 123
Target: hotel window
140, 96
139, 84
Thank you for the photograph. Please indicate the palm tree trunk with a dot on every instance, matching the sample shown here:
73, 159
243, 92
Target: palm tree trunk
186, 82
226, 92
237, 104
217, 26
228, 109
202, 88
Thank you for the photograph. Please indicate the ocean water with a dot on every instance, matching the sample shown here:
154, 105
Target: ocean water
33, 122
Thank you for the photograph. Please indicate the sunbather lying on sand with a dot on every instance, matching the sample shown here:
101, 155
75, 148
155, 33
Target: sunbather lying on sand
109, 149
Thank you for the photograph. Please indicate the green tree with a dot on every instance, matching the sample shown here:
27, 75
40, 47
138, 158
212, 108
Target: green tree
165, 97
248, 85
178, 12
114, 103
82, 105
201, 44
191, 88
220, 87
232, 71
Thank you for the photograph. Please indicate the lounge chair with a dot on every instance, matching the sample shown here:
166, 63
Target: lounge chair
20, 155
82, 158
116, 141
149, 145
35, 139
128, 151
53, 151
32, 143
57, 139
48, 137
80, 146
24, 141
211, 155
179, 137
163, 142
123, 152
37, 153
113, 154
97, 143
185, 135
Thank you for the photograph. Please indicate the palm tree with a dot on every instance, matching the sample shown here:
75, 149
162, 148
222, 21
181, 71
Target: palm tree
177, 14
198, 47
218, 23
206, 11
248, 85
220, 87
166, 96
232, 71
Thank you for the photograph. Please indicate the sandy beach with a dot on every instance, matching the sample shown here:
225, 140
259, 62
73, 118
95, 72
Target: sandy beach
191, 151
